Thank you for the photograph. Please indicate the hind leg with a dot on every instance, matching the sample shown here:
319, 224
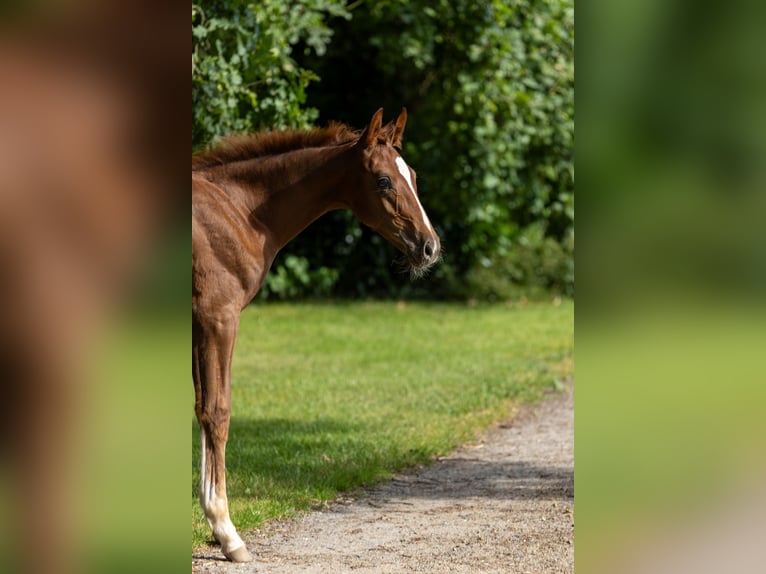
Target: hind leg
213, 345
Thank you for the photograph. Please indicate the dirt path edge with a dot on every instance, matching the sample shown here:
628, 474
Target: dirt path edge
502, 504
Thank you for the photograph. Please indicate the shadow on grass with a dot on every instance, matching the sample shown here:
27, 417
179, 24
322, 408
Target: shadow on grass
282, 459
315, 458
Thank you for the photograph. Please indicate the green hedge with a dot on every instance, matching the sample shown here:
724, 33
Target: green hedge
489, 86
244, 75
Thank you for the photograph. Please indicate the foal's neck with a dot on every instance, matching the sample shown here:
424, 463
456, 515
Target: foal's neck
287, 192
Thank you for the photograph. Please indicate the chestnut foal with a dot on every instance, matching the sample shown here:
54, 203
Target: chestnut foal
252, 195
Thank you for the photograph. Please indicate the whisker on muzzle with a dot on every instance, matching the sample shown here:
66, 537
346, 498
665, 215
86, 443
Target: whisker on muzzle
403, 265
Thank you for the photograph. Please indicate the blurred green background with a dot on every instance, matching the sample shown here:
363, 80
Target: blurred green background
671, 103
489, 87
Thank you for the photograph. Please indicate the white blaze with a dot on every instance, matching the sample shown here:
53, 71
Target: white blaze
405, 171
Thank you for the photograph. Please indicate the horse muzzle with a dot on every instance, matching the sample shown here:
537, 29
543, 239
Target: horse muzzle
424, 254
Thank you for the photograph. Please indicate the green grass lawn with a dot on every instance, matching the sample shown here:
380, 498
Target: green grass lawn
327, 397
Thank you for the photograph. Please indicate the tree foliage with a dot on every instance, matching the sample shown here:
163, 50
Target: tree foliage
244, 76
489, 85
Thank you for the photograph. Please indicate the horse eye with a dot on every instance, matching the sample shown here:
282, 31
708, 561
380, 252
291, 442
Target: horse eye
384, 182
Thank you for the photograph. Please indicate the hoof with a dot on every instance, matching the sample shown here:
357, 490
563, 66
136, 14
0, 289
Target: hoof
239, 554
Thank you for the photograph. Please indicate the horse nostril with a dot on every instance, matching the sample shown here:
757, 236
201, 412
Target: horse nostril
428, 249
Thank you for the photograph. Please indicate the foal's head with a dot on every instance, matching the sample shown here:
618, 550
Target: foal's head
388, 199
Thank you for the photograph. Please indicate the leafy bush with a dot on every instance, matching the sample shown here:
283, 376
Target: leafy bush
244, 76
535, 267
490, 90
294, 280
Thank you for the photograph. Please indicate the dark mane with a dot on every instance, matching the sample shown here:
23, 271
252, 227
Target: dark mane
261, 144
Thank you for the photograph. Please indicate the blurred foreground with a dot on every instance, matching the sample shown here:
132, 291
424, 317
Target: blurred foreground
671, 473
93, 176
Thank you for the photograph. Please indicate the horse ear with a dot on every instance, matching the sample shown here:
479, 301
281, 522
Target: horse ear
370, 134
401, 121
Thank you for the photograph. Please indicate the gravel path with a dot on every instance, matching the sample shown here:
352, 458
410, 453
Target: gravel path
504, 504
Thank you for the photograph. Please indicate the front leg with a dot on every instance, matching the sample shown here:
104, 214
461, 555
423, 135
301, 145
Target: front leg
214, 334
